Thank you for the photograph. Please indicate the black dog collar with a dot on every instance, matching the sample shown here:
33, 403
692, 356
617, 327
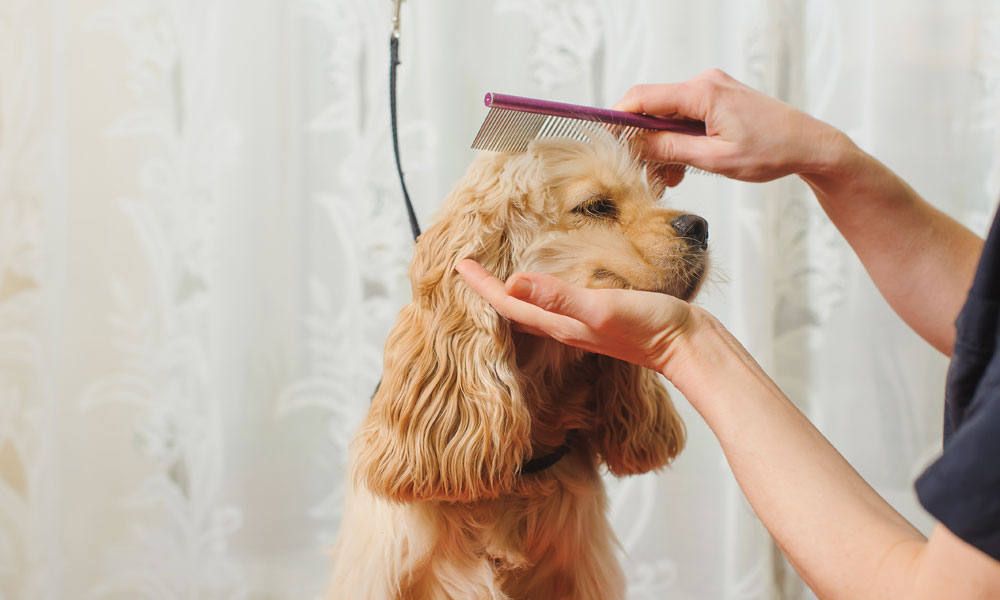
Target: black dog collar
537, 465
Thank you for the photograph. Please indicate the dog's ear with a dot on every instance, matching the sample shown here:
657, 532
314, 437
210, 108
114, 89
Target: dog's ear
449, 420
638, 429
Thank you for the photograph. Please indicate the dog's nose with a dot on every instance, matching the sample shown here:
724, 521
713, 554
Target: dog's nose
693, 228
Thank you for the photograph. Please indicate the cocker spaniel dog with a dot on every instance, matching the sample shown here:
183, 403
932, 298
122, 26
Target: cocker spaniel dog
476, 473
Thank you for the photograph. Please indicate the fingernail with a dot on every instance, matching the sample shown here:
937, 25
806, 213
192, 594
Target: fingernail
521, 288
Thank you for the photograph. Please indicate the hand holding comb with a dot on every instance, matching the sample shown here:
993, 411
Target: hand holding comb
514, 121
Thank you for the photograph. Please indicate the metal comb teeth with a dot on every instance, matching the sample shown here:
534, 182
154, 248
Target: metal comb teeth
512, 130
513, 122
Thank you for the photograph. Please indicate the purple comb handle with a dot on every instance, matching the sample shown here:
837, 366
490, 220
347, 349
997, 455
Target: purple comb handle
589, 113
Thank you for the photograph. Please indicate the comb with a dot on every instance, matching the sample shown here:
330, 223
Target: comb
513, 122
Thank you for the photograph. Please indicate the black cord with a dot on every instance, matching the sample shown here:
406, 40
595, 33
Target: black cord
535, 465
393, 61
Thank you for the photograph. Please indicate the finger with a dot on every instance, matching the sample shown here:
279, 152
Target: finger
673, 177
552, 294
660, 176
546, 292
678, 148
533, 317
478, 278
664, 99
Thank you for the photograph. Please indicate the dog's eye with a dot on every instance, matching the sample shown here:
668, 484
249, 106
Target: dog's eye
602, 208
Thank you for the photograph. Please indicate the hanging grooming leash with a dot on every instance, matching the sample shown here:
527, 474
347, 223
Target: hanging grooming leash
535, 465
393, 62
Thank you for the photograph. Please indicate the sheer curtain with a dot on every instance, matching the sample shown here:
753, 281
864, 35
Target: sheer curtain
202, 247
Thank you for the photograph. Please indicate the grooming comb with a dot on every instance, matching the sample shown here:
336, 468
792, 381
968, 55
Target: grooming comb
513, 122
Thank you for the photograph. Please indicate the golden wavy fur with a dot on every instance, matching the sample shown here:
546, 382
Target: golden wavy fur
438, 507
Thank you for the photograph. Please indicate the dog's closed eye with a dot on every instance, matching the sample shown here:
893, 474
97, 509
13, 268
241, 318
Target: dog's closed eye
601, 207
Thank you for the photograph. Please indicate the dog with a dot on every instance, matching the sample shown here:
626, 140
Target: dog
476, 473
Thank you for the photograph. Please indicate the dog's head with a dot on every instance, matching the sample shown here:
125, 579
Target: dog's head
451, 418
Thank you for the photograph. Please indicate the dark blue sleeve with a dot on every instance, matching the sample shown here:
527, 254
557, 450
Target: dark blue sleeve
962, 487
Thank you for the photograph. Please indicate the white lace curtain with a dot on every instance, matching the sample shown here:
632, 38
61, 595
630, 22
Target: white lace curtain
203, 245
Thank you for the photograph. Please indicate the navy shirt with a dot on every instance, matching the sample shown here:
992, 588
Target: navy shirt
962, 487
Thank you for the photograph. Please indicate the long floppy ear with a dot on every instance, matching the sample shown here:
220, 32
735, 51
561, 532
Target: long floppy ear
638, 428
449, 420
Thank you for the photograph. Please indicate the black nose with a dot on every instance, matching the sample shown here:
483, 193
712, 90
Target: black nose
693, 228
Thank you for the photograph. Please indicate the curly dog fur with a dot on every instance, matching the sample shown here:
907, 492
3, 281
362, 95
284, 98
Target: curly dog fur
438, 507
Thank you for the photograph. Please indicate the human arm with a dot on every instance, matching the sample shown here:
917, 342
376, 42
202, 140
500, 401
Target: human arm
920, 259
838, 533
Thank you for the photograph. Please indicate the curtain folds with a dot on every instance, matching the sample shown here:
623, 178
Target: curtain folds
203, 246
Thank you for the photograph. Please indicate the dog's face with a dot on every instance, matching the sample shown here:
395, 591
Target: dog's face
453, 418
602, 225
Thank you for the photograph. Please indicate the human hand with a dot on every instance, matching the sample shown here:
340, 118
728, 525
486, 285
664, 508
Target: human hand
645, 328
750, 136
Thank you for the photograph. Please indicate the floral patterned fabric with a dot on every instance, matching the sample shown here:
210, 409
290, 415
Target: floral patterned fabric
203, 246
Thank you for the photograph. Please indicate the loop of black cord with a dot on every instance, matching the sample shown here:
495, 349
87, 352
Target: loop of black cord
393, 61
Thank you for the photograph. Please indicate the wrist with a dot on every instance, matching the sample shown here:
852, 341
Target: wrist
694, 351
708, 364
836, 157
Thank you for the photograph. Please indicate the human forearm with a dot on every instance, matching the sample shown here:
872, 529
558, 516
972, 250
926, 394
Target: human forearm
840, 535
920, 259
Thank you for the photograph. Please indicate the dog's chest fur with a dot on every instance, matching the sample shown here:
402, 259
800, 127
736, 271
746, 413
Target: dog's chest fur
532, 537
